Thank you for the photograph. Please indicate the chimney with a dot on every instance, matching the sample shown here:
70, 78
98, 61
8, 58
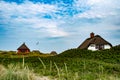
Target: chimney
91, 35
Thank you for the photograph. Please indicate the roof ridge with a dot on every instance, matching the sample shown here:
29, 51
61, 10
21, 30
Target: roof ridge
23, 46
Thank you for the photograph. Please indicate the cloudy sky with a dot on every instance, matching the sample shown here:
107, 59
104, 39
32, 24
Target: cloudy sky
57, 25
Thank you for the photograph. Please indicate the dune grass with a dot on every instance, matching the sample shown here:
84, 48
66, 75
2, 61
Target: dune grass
79, 70
72, 64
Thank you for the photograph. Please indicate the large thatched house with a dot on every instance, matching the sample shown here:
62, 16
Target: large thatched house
95, 43
23, 49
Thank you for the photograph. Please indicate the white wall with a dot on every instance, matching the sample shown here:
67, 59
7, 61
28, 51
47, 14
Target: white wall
92, 47
107, 46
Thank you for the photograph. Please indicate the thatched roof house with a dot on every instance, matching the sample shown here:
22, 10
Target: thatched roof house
95, 43
23, 49
53, 53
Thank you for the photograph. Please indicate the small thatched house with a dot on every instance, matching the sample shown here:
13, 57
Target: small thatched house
36, 51
23, 49
53, 53
95, 43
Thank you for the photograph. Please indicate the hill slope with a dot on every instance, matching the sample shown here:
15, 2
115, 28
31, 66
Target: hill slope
73, 64
112, 55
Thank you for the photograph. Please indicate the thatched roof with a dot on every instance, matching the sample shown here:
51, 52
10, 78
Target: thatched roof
53, 53
98, 40
23, 46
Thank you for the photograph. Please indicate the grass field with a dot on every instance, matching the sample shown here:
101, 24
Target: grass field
73, 64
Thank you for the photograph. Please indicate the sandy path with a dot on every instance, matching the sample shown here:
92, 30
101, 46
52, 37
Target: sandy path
41, 78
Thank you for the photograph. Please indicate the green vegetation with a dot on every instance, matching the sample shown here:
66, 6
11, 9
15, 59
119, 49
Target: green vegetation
73, 64
13, 54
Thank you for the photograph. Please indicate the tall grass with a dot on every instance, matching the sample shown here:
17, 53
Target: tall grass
16, 73
58, 71
66, 70
19, 72
23, 61
44, 66
50, 67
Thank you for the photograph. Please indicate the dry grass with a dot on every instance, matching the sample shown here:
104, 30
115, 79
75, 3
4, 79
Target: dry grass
18, 73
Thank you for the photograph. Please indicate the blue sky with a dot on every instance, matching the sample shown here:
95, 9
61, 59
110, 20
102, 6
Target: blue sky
57, 25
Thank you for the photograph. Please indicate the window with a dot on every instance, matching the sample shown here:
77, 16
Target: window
99, 47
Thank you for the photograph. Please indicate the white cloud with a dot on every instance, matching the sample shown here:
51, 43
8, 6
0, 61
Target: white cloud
31, 15
92, 2
95, 14
99, 8
26, 8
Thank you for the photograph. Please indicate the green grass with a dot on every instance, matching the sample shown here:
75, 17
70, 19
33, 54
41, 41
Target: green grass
73, 64
13, 54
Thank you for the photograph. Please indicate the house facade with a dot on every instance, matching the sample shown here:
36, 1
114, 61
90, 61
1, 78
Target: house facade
23, 49
95, 42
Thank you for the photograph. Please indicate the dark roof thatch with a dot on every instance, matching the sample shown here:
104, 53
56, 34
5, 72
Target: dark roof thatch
53, 53
23, 46
98, 40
